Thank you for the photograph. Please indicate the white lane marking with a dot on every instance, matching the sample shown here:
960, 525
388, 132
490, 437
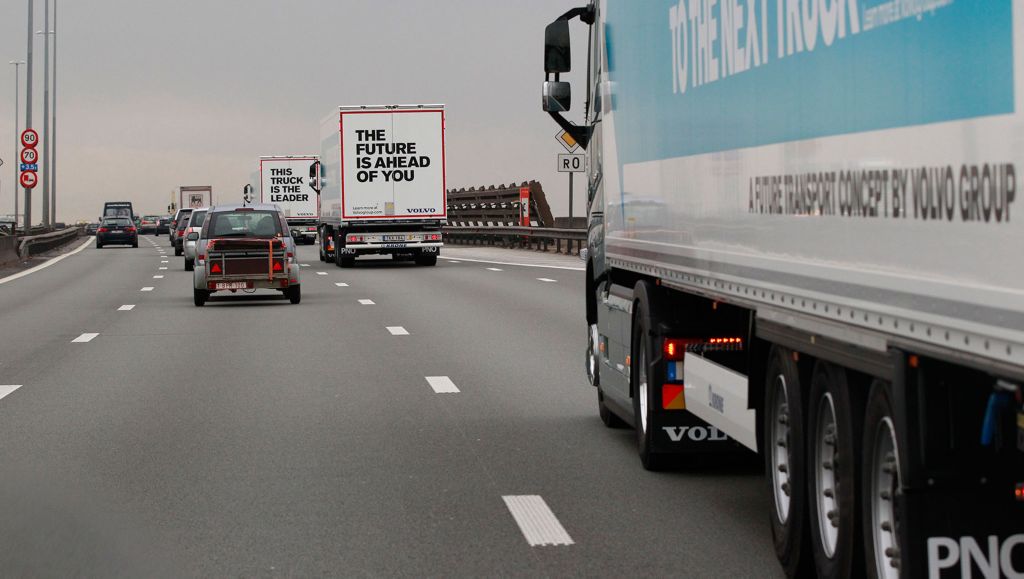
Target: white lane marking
453, 261
304, 264
547, 279
321, 273
516, 264
539, 525
398, 331
494, 269
158, 277
126, 308
7, 389
146, 289
366, 302
341, 284
45, 264
87, 337
162, 268
442, 385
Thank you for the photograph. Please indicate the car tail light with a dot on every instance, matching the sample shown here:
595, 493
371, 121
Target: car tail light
130, 229
356, 238
180, 232
102, 230
289, 255
432, 237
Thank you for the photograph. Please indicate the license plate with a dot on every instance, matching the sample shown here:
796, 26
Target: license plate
394, 238
230, 285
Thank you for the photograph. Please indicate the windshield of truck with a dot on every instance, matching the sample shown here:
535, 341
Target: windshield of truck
244, 223
117, 211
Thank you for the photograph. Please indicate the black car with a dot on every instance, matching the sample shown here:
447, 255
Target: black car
91, 228
117, 231
163, 225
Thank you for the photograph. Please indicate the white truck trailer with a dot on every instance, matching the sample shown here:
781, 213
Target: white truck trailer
195, 196
382, 183
802, 241
288, 182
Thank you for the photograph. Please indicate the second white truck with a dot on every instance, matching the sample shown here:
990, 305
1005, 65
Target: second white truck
286, 181
382, 183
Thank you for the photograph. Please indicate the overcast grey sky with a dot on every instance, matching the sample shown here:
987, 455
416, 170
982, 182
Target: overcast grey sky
155, 93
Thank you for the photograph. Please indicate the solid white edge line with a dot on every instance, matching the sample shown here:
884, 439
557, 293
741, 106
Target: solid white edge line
538, 524
515, 264
442, 385
86, 337
126, 308
7, 389
45, 264
398, 331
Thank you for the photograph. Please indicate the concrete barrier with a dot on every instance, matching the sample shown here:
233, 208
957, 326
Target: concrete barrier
36, 244
8, 250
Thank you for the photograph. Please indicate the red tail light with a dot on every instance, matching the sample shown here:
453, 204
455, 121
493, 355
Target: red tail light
215, 268
181, 232
130, 229
102, 230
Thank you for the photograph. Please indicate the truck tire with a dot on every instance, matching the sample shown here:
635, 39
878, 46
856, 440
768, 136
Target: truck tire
189, 264
199, 297
320, 252
641, 376
785, 471
426, 260
834, 423
881, 486
178, 251
294, 294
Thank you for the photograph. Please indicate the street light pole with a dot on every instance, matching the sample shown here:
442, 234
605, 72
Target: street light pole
17, 135
46, 112
28, 113
53, 154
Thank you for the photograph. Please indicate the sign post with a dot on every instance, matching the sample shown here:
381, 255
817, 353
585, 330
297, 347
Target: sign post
572, 163
524, 206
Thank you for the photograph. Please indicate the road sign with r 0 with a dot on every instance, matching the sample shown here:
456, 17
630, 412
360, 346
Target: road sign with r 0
572, 163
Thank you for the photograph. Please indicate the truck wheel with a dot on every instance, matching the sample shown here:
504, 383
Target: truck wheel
643, 383
783, 428
177, 251
189, 264
427, 260
833, 452
881, 486
294, 294
199, 296
320, 252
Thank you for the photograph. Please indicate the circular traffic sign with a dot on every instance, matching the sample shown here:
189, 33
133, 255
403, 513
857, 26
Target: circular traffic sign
29, 138
29, 156
28, 179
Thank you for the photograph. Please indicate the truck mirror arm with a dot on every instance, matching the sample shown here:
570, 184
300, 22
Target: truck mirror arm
581, 133
586, 14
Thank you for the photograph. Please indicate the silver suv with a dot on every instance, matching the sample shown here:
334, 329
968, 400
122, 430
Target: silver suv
195, 225
245, 248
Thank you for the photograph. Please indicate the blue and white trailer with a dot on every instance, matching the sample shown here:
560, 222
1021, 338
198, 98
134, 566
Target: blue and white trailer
805, 238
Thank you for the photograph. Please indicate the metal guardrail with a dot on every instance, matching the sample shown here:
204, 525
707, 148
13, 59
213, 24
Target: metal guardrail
529, 237
36, 244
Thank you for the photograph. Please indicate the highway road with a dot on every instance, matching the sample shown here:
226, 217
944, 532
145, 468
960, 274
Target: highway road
400, 421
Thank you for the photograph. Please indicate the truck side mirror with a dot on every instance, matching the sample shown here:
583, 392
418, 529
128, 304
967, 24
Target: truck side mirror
314, 176
247, 194
557, 96
557, 57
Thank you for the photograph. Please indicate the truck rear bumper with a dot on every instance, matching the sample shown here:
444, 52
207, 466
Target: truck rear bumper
385, 248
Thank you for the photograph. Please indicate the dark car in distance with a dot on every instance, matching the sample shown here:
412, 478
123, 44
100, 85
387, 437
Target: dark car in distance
91, 228
117, 231
163, 225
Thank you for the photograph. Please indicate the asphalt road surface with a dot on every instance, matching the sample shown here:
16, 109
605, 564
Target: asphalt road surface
445, 429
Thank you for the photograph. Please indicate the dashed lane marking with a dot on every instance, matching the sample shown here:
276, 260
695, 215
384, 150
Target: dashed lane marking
87, 337
340, 284
494, 269
442, 385
46, 264
158, 277
7, 389
146, 289
126, 308
449, 259
539, 525
547, 279
398, 331
162, 268
366, 302
321, 273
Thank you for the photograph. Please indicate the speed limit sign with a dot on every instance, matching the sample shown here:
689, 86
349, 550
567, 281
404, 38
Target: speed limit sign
29, 138
28, 179
29, 156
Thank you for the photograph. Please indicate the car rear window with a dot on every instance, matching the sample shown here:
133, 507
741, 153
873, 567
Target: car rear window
183, 220
243, 224
119, 221
197, 219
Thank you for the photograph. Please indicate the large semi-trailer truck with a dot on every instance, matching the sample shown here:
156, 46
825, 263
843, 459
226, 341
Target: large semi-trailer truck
382, 183
288, 182
802, 241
